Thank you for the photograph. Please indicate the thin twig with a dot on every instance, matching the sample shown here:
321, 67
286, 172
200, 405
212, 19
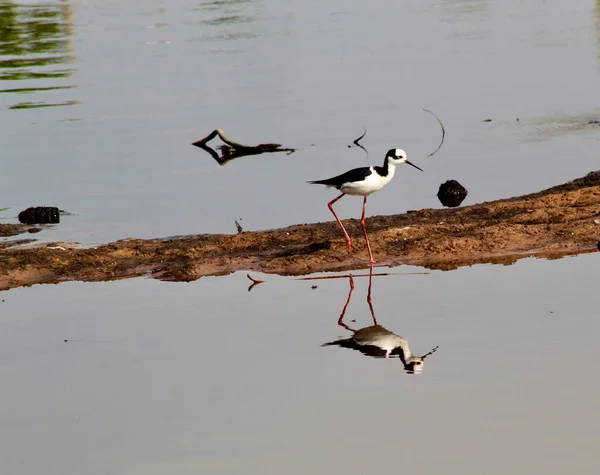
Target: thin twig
224, 138
355, 142
254, 282
344, 276
361, 137
443, 133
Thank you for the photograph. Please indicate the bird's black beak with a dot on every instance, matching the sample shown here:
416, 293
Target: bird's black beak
413, 165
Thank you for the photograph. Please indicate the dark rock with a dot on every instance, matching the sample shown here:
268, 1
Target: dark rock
452, 193
40, 215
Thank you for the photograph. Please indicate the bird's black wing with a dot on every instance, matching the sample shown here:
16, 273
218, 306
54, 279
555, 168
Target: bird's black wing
367, 350
372, 351
357, 174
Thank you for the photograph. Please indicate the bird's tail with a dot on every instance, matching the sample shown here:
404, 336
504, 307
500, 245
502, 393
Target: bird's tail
337, 342
318, 182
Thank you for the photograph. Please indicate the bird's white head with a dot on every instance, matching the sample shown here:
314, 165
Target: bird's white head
415, 364
396, 156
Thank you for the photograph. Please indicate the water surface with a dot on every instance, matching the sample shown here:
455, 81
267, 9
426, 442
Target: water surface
207, 378
99, 102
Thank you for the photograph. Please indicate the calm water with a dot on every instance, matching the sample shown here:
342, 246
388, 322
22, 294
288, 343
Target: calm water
99, 102
163, 378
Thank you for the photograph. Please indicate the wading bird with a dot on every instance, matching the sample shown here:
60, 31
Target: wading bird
377, 341
362, 182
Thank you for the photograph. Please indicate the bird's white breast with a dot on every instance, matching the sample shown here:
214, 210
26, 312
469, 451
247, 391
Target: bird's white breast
370, 184
389, 342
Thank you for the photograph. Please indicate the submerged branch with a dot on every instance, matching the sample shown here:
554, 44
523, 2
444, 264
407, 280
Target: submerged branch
232, 150
443, 133
355, 142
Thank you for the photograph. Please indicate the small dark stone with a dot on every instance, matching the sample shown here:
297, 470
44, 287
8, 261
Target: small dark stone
487, 120
33, 230
452, 193
313, 287
598, 245
40, 215
594, 122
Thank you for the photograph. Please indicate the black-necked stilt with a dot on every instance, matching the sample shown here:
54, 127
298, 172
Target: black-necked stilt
362, 182
377, 341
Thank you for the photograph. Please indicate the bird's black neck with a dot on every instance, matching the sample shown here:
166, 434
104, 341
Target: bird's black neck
385, 169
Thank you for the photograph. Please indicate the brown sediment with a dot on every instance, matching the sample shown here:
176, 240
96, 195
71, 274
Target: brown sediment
553, 223
13, 229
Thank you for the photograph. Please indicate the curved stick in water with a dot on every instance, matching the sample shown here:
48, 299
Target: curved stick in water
443, 133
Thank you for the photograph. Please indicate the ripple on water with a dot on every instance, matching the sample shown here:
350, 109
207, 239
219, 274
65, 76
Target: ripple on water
36, 55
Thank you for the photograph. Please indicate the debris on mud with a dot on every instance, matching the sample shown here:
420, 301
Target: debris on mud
232, 150
40, 215
451, 193
552, 223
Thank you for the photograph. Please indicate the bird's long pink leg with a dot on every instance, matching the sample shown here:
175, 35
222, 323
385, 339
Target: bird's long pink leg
362, 223
369, 301
330, 205
350, 292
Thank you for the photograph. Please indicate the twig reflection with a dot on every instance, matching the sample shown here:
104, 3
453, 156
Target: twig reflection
232, 150
377, 341
357, 144
254, 281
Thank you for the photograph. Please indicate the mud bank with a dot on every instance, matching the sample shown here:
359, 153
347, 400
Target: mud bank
14, 229
553, 223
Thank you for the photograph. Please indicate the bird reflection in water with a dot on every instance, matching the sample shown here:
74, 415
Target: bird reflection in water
377, 341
